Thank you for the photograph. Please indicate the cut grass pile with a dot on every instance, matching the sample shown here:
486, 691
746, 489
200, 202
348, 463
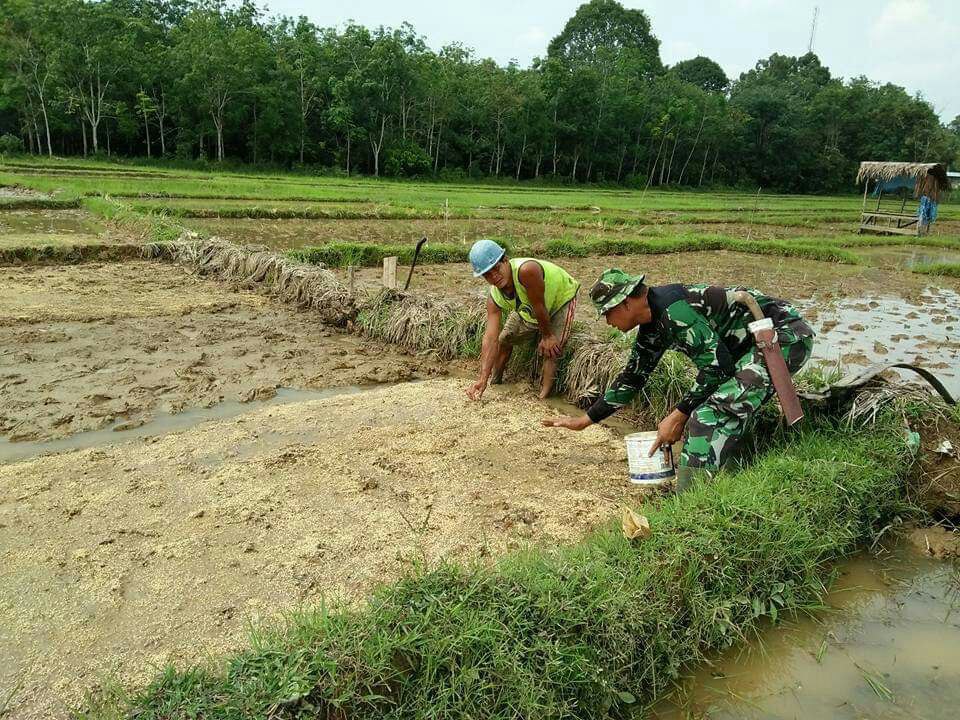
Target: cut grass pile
305, 286
421, 323
589, 631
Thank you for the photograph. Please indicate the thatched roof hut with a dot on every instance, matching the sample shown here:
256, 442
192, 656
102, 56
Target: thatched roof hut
931, 178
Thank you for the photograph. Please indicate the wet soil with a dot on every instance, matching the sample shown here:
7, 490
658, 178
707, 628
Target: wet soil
32, 228
116, 558
889, 648
789, 278
112, 345
540, 227
907, 257
937, 488
18, 192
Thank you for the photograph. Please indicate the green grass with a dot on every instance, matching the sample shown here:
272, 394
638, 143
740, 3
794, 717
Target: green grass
68, 254
617, 221
39, 203
260, 187
949, 269
342, 254
589, 631
151, 228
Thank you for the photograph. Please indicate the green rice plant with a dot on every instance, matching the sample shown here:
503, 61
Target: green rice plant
63, 254
39, 203
874, 680
152, 227
592, 630
343, 254
947, 269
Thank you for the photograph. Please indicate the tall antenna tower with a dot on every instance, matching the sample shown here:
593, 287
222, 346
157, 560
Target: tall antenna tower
813, 28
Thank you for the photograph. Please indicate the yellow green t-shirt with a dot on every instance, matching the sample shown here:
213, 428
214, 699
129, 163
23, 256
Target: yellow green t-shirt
559, 288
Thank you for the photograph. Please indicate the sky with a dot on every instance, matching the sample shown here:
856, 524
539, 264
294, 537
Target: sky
911, 43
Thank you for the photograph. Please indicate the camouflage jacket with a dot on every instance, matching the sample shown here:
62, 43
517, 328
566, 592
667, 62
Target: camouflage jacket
702, 322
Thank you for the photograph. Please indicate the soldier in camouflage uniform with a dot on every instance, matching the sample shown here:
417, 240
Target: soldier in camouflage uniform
704, 323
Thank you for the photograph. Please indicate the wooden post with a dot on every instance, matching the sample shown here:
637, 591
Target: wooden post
390, 272
351, 278
866, 186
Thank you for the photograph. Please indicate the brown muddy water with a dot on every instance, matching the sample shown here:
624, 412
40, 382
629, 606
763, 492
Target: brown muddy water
30, 228
49, 222
907, 257
887, 328
121, 431
887, 647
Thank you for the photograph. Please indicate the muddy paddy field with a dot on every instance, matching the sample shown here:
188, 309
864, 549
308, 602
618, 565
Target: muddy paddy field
182, 456
132, 551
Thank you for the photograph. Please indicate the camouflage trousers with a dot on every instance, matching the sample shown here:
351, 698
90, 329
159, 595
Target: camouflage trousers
716, 428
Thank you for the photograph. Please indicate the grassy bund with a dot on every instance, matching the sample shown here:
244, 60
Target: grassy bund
593, 630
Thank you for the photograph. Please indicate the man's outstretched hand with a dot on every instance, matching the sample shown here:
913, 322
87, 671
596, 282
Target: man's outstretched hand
569, 422
475, 391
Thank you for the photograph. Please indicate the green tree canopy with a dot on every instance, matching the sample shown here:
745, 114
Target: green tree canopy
702, 72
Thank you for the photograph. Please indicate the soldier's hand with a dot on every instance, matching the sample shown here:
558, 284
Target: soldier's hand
569, 422
669, 431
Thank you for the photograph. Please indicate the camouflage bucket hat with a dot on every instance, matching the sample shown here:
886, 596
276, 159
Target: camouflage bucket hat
612, 288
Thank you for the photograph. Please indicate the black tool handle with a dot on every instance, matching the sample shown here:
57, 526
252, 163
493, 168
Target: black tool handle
416, 254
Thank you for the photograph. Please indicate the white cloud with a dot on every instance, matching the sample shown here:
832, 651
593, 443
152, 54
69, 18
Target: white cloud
534, 36
901, 21
673, 51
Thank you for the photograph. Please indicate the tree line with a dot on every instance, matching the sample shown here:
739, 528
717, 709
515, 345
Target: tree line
203, 79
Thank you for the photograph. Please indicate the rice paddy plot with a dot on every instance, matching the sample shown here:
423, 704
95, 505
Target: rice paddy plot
125, 555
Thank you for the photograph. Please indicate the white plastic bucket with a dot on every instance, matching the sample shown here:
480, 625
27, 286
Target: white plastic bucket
644, 470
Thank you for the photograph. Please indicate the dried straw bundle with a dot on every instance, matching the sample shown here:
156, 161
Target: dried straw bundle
424, 323
307, 286
869, 403
594, 363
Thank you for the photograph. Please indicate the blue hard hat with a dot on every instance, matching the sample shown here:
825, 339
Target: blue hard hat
484, 255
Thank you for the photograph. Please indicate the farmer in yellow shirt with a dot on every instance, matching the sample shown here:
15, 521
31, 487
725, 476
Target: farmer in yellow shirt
539, 297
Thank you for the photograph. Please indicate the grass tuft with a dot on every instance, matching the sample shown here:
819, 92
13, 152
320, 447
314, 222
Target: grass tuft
948, 269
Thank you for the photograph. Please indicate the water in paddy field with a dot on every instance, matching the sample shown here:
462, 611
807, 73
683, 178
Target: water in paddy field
163, 424
907, 257
865, 331
888, 648
47, 222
